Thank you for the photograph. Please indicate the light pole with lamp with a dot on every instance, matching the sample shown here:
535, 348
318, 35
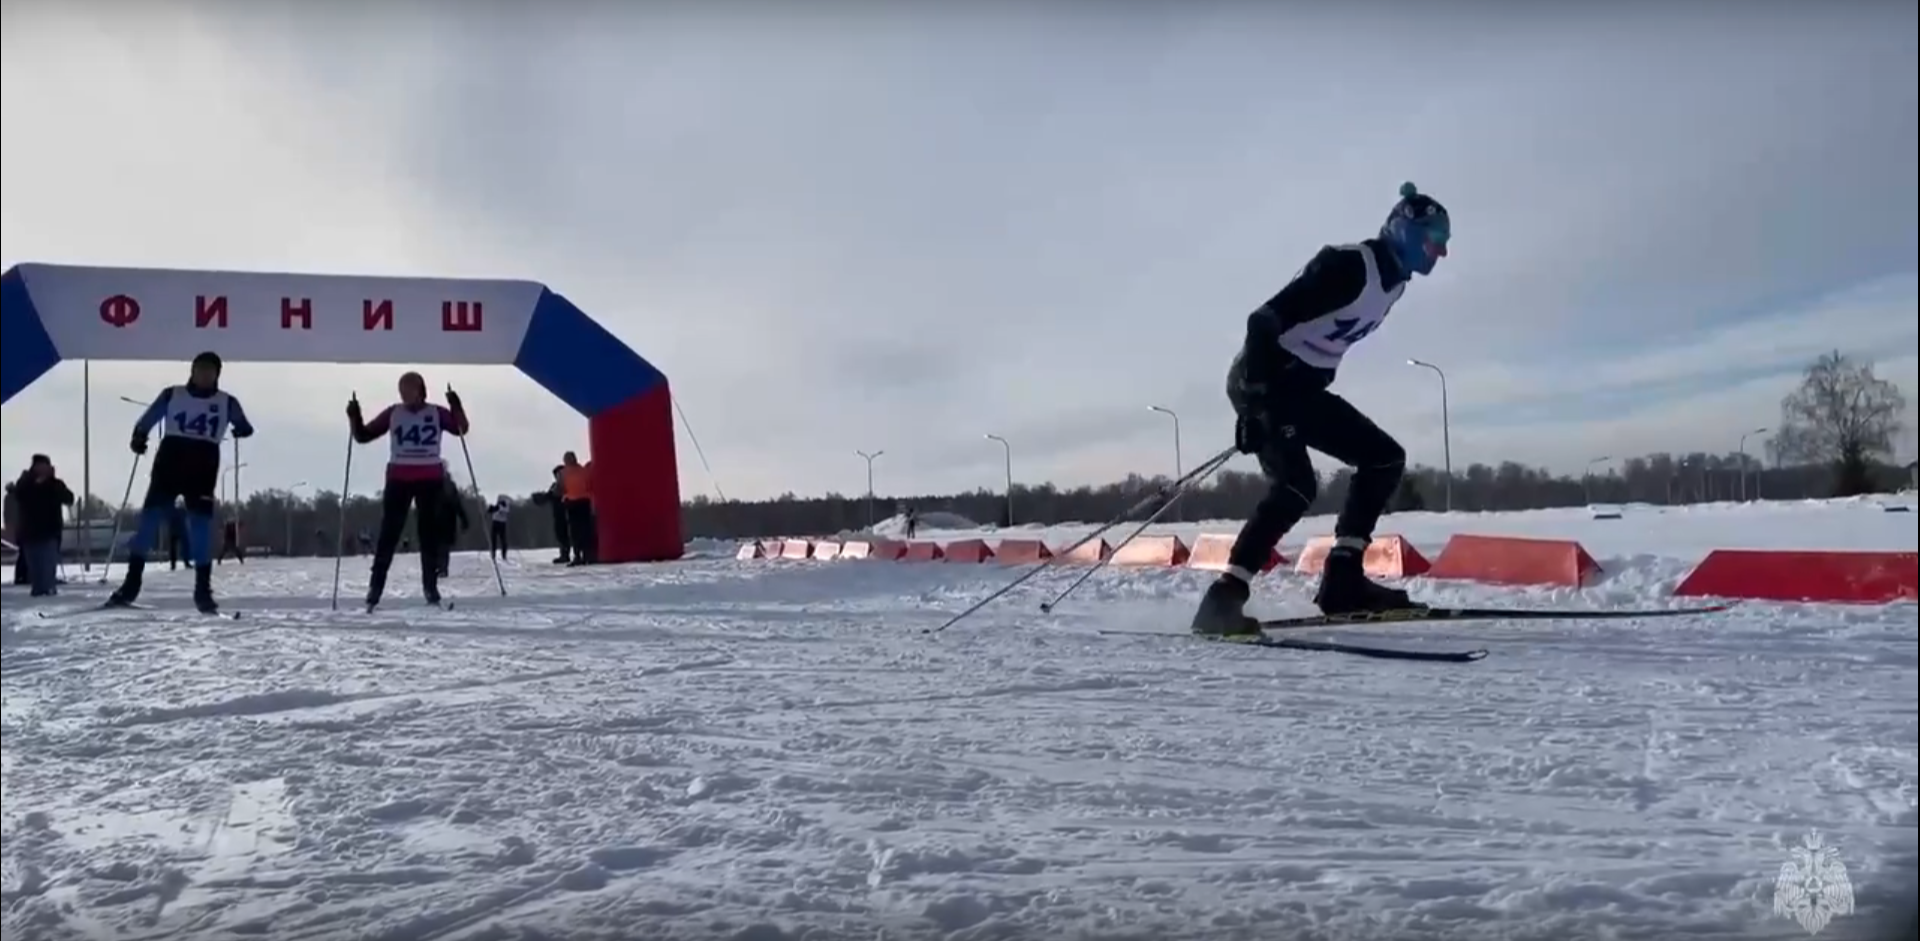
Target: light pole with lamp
1743, 465
870, 459
1009, 449
1586, 479
1446, 426
118, 511
1178, 470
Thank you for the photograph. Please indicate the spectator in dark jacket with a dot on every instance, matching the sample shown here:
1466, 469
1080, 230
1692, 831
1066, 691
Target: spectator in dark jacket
44, 498
13, 529
554, 499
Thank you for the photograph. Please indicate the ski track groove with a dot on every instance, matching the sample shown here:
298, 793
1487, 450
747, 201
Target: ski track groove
652, 766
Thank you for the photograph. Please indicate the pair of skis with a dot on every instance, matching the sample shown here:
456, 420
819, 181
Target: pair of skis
1419, 615
442, 605
125, 606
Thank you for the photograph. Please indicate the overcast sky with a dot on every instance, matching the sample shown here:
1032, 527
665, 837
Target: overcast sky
842, 226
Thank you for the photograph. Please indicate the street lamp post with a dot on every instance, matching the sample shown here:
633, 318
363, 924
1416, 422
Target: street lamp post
1586, 479
870, 459
1008, 448
235, 468
1446, 426
1178, 469
1743, 465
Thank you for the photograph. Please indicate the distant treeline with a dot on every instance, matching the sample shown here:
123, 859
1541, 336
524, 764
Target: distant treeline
1232, 494
307, 525
1834, 430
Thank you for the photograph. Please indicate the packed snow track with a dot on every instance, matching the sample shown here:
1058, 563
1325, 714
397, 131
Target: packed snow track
762, 751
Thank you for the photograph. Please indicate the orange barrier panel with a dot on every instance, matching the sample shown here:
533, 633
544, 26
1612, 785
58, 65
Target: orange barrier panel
1389, 556
1151, 550
974, 551
796, 549
826, 551
749, 550
1211, 550
770, 548
1089, 553
885, 550
922, 552
1512, 560
1842, 577
1022, 551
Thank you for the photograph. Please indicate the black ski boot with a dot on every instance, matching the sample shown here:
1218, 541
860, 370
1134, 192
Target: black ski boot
376, 586
203, 590
1223, 609
430, 587
129, 591
1346, 589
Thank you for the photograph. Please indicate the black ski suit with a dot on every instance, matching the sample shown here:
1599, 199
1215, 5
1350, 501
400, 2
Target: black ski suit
1284, 405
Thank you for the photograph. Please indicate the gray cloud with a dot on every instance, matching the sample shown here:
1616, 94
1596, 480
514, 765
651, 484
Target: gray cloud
900, 227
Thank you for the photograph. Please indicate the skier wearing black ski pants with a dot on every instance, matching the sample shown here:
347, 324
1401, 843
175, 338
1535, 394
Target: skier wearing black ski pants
195, 418
1280, 388
416, 477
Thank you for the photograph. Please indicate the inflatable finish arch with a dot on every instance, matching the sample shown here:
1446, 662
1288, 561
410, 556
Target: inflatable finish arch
53, 312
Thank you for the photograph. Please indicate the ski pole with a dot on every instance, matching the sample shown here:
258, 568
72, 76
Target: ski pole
1167, 490
467, 453
340, 531
119, 515
1048, 606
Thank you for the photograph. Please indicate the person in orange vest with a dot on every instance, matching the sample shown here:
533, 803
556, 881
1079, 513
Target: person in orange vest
576, 487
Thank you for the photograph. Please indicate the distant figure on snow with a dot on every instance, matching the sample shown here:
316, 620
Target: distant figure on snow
497, 527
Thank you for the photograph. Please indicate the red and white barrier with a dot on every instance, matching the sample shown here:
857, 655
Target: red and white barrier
1211, 552
1734, 574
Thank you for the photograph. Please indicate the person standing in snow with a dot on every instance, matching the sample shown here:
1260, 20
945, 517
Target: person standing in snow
195, 417
416, 477
497, 527
44, 499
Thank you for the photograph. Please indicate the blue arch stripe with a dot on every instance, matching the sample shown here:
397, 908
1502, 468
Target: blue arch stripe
577, 360
26, 351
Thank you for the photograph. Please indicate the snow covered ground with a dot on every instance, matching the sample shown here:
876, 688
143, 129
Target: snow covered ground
765, 751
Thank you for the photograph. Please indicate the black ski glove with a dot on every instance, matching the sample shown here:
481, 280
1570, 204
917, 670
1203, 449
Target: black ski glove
139, 443
1249, 432
453, 401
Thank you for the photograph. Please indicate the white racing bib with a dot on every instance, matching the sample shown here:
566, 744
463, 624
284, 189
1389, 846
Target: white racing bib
195, 418
1323, 341
413, 437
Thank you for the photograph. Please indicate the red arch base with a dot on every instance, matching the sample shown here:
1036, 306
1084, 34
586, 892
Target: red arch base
636, 492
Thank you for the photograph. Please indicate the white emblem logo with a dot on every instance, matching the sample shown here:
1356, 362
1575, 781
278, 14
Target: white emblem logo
1813, 888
